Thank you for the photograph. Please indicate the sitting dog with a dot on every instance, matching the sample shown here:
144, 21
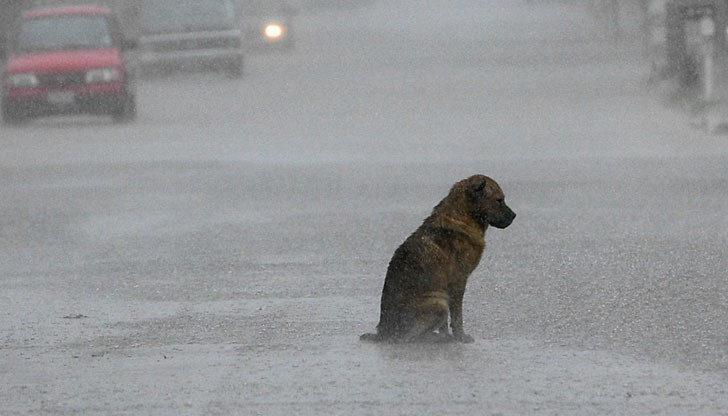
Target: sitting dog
426, 278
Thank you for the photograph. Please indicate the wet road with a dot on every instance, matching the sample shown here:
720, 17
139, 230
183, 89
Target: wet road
222, 254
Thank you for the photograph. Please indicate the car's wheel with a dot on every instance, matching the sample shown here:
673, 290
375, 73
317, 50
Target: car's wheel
11, 116
236, 69
125, 110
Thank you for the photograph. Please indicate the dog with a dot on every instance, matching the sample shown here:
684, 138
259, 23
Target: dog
426, 277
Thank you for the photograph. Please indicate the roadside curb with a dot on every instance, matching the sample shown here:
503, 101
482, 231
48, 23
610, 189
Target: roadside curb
708, 116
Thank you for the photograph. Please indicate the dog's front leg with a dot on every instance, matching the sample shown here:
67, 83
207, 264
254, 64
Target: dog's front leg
456, 314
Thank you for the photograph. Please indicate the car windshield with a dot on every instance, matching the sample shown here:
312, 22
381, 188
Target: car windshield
171, 16
657, 7
264, 7
63, 32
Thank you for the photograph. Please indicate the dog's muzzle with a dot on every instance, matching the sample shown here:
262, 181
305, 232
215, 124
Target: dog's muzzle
504, 220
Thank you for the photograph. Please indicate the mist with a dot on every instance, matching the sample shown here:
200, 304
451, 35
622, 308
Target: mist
222, 253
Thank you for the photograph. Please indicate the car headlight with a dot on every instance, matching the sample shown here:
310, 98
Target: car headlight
274, 31
23, 80
102, 75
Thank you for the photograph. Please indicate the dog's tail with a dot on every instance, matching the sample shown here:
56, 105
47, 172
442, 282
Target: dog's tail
372, 338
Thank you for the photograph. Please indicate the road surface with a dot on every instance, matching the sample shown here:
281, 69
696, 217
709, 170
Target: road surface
222, 254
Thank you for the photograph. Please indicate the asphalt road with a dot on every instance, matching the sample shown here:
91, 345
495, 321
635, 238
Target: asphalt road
222, 254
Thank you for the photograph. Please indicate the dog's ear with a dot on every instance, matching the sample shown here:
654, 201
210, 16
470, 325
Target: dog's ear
475, 187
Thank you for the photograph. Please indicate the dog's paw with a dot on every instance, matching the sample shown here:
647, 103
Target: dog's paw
371, 337
436, 338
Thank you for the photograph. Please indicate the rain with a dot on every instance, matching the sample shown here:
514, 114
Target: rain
222, 253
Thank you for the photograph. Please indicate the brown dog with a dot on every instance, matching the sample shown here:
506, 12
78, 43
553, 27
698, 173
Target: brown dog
426, 278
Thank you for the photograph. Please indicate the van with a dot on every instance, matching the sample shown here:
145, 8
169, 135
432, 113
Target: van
190, 35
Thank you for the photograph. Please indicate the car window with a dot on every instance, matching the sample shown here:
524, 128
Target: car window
63, 32
170, 16
261, 7
657, 7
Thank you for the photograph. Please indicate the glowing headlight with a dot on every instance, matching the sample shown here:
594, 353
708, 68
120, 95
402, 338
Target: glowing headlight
98, 76
24, 80
274, 31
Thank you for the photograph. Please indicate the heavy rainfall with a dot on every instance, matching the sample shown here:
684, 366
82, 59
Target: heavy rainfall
221, 253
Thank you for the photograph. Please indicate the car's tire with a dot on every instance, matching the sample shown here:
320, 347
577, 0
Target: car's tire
126, 110
12, 117
236, 69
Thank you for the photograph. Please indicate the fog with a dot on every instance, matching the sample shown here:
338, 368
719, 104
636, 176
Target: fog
223, 253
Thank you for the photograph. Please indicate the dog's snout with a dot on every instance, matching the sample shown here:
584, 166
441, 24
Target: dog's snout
505, 219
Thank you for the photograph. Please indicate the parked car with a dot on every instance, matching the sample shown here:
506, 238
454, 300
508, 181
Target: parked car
68, 60
190, 35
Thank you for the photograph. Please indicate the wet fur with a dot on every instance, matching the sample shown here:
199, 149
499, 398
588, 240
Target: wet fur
427, 274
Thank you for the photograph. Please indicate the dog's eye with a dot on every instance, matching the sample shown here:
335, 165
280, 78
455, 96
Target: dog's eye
501, 201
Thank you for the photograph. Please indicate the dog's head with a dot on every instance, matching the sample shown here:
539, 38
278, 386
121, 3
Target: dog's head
487, 202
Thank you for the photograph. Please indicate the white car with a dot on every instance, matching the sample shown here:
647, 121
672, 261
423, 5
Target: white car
190, 34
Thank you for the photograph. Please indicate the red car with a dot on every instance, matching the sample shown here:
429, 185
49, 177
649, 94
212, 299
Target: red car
68, 60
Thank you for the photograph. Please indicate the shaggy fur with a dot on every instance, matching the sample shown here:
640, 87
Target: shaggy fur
426, 278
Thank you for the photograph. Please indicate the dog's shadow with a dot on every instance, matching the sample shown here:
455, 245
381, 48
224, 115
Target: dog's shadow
421, 351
